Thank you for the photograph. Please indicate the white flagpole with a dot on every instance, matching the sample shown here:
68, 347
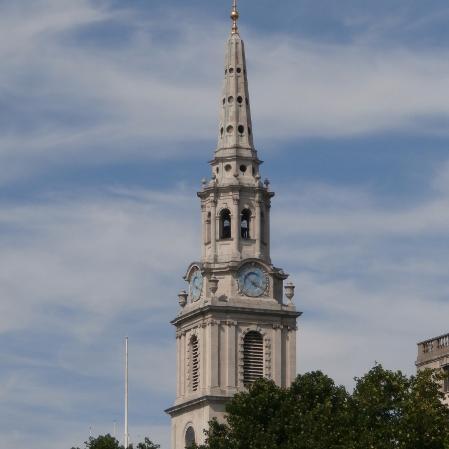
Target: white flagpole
126, 393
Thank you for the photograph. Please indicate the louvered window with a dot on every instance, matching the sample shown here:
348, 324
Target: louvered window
195, 362
252, 357
190, 437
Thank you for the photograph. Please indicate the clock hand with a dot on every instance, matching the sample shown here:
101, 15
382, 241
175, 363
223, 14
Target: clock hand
255, 284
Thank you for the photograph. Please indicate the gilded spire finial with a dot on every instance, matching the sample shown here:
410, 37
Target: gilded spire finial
234, 17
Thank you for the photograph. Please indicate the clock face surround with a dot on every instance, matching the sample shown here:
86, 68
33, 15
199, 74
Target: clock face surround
196, 285
253, 280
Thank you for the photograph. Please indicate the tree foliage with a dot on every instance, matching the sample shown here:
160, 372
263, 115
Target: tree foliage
147, 444
386, 410
109, 442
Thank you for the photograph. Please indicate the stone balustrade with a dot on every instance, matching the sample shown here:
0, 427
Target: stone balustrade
433, 349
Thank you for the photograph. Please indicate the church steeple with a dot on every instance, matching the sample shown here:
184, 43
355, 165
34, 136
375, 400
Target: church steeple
234, 324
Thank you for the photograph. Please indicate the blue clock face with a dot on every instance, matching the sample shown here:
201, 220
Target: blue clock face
196, 285
253, 280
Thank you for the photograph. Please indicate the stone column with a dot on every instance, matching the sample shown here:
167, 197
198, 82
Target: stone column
183, 361
231, 355
267, 229
213, 354
285, 365
204, 230
204, 354
235, 226
213, 229
257, 234
291, 355
178, 363
277, 354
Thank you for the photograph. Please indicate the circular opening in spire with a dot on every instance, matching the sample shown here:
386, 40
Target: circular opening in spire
226, 71
224, 100
239, 99
243, 168
229, 129
239, 70
221, 131
246, 101
241, 129
228, 167
230, 99
231, 70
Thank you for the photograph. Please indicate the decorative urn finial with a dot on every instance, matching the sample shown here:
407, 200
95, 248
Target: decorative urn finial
182, 298
213, 285
289, 292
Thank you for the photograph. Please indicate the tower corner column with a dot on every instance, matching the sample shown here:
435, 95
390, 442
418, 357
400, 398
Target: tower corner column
235, 225
213, 375
277, 356
231, 361
203, 230
257, 227
213, 229
291, 362
267, 229
179, 364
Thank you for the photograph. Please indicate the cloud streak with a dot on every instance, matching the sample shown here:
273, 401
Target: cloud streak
80, 271
84, 84
66, 99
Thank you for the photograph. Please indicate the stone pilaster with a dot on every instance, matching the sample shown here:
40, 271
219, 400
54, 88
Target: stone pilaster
235, 226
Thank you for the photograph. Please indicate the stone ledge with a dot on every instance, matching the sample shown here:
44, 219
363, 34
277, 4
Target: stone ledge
176, 409
236, 309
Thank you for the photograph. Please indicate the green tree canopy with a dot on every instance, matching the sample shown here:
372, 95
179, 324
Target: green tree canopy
386, 410
109, 442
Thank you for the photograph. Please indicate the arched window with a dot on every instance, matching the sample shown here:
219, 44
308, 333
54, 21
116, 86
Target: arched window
195, 362
225, 224
190, 437
252, 357
244, 224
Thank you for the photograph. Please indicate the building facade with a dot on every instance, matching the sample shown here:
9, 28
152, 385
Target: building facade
434, 354
237, 321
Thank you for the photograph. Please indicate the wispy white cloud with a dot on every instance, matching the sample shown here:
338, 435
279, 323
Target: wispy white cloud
78, 271
99, 255
73, 96
372, 280
112, 256
359, 214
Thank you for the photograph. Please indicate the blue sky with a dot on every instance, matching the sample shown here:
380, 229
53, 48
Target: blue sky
108, 116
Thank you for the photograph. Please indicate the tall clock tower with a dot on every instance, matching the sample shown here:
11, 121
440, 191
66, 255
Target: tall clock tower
234, 324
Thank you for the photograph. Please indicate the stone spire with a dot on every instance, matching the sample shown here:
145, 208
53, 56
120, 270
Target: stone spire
235, 130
